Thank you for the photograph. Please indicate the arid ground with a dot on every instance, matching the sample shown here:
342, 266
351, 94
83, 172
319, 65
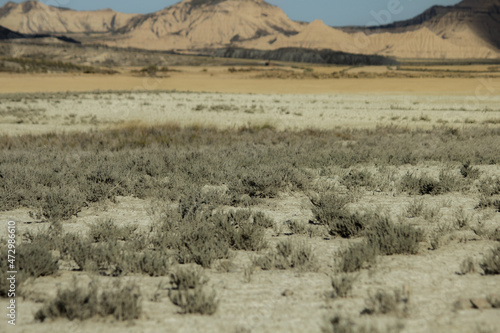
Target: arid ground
223, 199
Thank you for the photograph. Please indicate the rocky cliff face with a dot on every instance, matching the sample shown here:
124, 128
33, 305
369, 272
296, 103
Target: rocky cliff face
33, 17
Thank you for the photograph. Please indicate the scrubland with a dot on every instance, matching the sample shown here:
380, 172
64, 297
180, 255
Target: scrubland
252, 213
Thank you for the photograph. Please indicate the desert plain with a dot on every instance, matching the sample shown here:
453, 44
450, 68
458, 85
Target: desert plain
241, 199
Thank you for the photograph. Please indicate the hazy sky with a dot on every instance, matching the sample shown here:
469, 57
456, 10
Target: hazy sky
332, 12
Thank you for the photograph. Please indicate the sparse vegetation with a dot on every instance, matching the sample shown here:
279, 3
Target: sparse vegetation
31, 65
382, 302
342, 284
330, 209
203, 188
122, 302
389, 238
467, 266
190, 292
491, 262
288, 254
343, 324
356, 257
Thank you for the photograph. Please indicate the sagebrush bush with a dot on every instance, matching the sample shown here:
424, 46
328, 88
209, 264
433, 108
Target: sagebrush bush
74, 303
60, 203
342, 284
330, 209
468, 171
34, 260
467, 266
288, 254
357, 178
420, 185
425, 184
107, 230
389, 238
113, 257
415, 208
489, 202
190, 291
58, 174
342, 324
491, 262
200, 236
382, 302
356, 257
122, 302
152, 263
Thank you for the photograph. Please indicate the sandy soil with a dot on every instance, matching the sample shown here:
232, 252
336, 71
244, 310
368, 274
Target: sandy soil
218, 79
84, 111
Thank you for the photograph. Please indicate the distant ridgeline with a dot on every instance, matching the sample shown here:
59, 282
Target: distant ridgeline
7, 34
303, 55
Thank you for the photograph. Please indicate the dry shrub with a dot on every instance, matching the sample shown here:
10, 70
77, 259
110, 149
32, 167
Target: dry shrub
199, 236
190, 291
34, 260
122, 302
342, 284
383, 302
389, 238
356, 257
330, 209
288, 254
491, 262
342, 324
107, 230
